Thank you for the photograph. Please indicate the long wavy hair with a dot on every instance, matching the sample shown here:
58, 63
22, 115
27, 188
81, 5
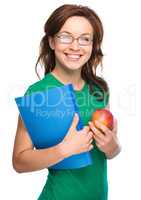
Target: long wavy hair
54, 24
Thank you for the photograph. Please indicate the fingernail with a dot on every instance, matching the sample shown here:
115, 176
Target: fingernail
93, 128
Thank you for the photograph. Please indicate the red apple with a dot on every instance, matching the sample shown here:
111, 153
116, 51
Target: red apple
104, 116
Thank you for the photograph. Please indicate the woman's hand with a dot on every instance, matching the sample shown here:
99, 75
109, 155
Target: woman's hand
76, 142
106, 139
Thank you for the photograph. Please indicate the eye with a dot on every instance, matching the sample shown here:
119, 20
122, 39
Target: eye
85, 38
65, 36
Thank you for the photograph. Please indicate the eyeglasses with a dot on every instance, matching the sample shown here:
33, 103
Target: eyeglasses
83, 40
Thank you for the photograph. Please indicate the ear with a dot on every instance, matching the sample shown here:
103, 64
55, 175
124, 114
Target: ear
51, 42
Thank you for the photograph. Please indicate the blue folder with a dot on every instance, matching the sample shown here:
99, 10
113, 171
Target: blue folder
47, 116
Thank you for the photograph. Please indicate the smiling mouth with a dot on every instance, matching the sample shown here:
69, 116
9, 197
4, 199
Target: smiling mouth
74, 57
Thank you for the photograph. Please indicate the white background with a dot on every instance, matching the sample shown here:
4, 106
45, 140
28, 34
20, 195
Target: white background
21, 28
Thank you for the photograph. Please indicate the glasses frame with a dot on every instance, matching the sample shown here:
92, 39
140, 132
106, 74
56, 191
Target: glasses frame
73, 39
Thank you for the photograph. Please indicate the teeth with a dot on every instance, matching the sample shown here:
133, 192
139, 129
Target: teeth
73, 56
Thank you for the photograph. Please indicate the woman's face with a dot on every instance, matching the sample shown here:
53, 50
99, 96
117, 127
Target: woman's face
72, 53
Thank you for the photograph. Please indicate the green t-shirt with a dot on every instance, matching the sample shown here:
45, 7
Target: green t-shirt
87, 183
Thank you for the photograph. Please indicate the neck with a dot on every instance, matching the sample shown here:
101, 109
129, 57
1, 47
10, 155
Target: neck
70, 76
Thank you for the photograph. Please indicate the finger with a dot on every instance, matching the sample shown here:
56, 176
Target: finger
99, 145
103, 128
91, 147
99, 137
90, 135
89, 141
86, 129
74, 123
99, 142
91, 125
97, 131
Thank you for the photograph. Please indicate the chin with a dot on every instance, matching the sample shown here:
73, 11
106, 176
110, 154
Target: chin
74, 68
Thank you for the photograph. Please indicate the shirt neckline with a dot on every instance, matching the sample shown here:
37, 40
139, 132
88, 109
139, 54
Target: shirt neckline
58, 81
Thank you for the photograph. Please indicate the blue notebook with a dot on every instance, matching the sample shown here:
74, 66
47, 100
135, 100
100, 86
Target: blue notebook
47, 116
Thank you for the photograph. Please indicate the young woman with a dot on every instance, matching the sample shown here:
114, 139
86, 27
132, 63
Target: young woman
70, 52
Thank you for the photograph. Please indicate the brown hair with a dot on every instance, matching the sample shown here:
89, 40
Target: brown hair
54, 24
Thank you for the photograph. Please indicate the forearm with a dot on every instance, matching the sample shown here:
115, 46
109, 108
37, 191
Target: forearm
32, 160
111, 154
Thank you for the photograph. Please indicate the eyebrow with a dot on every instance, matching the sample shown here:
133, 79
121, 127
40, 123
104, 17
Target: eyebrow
72, 33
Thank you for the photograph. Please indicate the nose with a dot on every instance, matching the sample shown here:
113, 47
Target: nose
75, 45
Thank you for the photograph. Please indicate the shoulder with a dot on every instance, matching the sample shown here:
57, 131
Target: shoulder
35, 87
45, 83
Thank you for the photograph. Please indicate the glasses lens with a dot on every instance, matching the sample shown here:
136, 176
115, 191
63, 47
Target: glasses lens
85, 40
66, 39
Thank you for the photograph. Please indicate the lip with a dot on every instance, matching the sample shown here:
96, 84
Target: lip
73, 57
78, 54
